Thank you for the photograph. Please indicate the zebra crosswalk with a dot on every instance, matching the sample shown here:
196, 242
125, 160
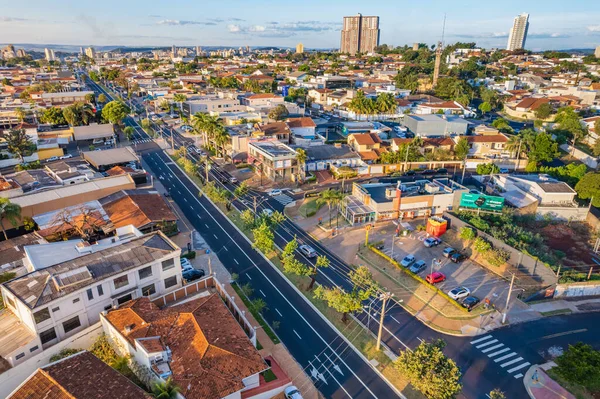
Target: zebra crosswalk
501, 355
141, 141
283, 199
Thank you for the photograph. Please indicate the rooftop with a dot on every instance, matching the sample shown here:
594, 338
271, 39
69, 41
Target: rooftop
93, 131
329, 152
210, 352
273, 148
136, 207
111, 156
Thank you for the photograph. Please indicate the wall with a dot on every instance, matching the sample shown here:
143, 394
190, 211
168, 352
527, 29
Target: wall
587, 159
577, 290
521, 261
12, 378
563, 213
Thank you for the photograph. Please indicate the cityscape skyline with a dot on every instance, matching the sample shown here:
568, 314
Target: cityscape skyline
552, 26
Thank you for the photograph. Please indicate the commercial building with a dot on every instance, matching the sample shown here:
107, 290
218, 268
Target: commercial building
382, 201
274, 160
212, 104
106, 159
70, 283
359, 34
518, 32
299, 48
435, 125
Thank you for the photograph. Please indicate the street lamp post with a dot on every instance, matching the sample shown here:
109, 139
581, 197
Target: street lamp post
434, 260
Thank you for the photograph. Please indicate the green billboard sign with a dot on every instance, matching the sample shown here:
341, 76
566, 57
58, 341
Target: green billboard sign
481, 201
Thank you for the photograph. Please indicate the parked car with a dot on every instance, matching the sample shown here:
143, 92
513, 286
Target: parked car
459, 292
431, 242
418, 266
410, 173
503, 170
408, 261
52, 159
267, 212
435, 277
469, 302
193, 274
428, 172
442, 171
457, 257
275, 192
448, 252
233, 180
185, 263
67, 156
308, 251
292, 393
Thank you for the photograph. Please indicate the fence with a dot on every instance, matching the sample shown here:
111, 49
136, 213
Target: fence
587, 159
519, 260
577, 290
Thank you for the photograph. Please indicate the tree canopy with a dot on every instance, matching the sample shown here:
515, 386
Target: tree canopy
588, 187
115, 112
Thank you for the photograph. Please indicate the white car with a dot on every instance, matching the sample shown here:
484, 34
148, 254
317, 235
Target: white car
51, 159
232, 180
408, 260
308, 251
66, 156
186, 264
275, 192
267, 212
292, 393
459, 292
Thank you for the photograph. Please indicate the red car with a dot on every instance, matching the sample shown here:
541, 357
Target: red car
435, 277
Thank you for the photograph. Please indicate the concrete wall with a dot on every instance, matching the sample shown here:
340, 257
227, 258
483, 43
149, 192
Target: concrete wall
563, 213
587, 159
577, 290
521, 261
12, 378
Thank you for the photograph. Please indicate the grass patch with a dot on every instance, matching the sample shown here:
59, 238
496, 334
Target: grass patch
256, 315
258, 345
309, 207
577, 390
269, 375
556, 312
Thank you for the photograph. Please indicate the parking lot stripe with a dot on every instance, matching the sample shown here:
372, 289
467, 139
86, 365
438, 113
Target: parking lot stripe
491, 348
519, 375
511, 362
520, 366
487, 343
498, 352
505, 357
481, 339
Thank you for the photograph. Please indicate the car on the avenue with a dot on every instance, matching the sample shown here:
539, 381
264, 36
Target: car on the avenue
457, 257
435, 277
66, 156
292, 392
233, 180
431, 242
418, 266
308, 251
193, 274
408, 261
448, 252
469, 302
275, 192
267, 212
459, 292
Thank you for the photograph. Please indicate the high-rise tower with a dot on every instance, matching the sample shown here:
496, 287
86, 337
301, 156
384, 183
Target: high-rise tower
359, 34
518, 32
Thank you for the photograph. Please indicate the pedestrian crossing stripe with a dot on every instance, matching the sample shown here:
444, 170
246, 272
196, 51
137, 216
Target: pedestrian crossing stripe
511, 359
283, 199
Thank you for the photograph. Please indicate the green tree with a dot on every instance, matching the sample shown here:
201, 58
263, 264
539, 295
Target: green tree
290, 248
180, 98
301, 157
10, 212
461, 149
322, 261
589, 187
487, 169
485, 107
329, 197
497, 394
278, 113
364, 284
18, 142
543, 111
115, 112
54, 116
568, 120
241, 190
20, 113
165, 389
129, 131
263, 238
467, 233
340, 300
580, 364
101, 98
248, 219
502, 125
430, 371
258, 305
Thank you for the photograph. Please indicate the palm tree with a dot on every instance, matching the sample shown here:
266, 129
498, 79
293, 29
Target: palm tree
20, 113
221, 137
180, 98
165, 390
301, 158
10, 212
329, 197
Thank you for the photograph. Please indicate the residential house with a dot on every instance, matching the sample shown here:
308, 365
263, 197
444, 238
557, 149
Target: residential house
435, 125
273, 159
298, 77
487, 145
446, 107
368, 145
590, 123
262, 101
319, 96
70, 283
278, 130
322, 157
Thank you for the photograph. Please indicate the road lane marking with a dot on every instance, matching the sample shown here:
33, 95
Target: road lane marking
206, 225
278, 312
505, 357
185, 199
519, 375
247, 275
481, 339
520, 366
236, 261
214, 235
262, 293
393, 318
491, 348
498, 352
487, 343
511, 362
297, 334
225, 248
563, 333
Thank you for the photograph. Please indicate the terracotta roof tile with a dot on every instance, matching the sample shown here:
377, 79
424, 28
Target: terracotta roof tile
301, 122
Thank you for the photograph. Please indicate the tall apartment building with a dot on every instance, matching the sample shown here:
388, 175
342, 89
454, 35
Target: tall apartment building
90, 52
299, 48
597, 53
518, 32
359, 34
49, 54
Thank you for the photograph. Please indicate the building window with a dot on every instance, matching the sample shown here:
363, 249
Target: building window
90, 294
75, 300
41, 315
20, 355
171, 281
109, 307
56, 309
148, 290
168, 264
124, 299
100, 290
71, 324
48, 335
10, 302
33, 349
145, 272
121, 282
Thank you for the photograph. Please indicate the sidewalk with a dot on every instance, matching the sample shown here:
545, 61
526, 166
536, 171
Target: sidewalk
540, 386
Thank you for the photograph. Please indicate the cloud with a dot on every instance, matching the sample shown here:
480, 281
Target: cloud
12, 19
152, 37
221, 20
547, 36
156, 16
486, 35
594, 28
288, 29
177, 22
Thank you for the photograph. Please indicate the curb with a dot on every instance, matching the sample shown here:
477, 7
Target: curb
334, 328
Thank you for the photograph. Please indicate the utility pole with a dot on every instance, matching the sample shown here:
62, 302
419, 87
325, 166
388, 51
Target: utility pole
209, 267
172, 142
384, 298
512, 281
462, 179
518, 154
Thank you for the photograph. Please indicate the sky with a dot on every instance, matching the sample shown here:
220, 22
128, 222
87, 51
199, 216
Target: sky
315, 23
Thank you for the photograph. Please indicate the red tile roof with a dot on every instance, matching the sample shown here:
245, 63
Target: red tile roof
301, 122
138, 210
488, 138
366, 138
